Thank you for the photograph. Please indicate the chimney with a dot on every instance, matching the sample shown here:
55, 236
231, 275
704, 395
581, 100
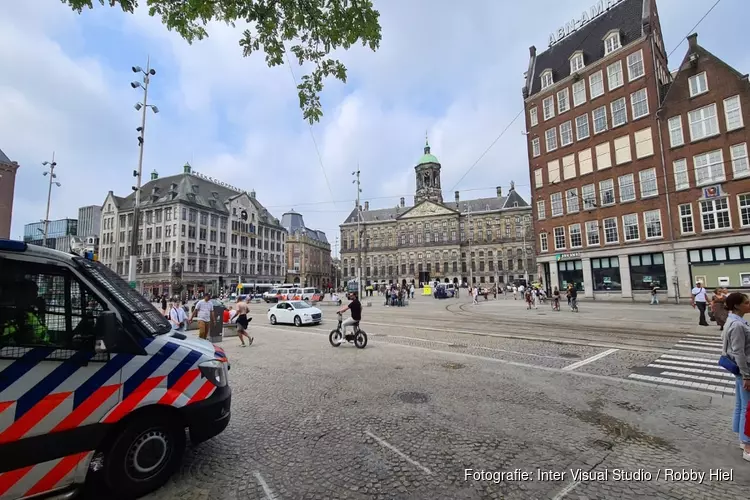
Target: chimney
499, 191
402, 203
154, 175
532, 51
456, 197
367, 206
692, 40
252, 194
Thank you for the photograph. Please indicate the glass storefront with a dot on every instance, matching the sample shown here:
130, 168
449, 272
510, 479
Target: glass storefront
647, 270
606, 274
570, 271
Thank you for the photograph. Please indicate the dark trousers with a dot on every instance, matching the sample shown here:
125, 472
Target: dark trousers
702, 311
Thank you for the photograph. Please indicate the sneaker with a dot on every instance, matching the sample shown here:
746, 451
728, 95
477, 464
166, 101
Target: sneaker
250, 341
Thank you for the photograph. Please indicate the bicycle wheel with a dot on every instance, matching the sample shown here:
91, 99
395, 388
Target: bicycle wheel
335, 338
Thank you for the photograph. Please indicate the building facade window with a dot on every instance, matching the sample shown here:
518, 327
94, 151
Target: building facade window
703, 123
576, 62
571, 200
533, 116
543, 244
605, 272
548, 108
559, 233
596, 84
676, 137
541, 210
639, 104
709, 167
579, 92
592, 233
566, 134
563, 102
536, 148
574, 232
546, 77
647, 271
649, 187
635, 66
556, 204
600, 119
582, 127
733, 113
652, 223
614, 76
588, 193
619, 112
550, 137
698, 84
740, 166
715, 214
687, 225
607, 192
743, 203
630, 227
627, 187
612, 43
681, 179
610, 231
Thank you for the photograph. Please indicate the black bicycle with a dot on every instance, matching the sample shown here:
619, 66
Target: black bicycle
358, 337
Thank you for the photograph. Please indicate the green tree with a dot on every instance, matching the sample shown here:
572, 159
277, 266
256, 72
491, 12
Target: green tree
315, 27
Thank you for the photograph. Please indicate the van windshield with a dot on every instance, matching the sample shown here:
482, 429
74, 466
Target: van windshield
131, 301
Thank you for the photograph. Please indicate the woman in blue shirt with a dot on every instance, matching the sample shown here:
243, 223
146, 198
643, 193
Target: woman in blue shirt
736, 341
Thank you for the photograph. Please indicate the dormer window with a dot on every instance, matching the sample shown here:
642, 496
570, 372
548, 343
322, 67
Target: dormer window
612, 42
576, 61
546, 78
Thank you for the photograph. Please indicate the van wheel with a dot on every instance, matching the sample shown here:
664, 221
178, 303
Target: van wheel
143, 455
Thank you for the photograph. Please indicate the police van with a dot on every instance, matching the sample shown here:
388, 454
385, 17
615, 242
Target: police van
93, 379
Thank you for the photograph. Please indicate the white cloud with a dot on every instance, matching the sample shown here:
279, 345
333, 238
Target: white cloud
453, 71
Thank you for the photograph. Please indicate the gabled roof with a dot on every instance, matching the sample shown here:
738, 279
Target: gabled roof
627, 17
694, 48
294, 223
190, 190
4, 158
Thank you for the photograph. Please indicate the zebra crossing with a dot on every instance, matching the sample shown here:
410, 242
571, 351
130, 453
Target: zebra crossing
692, 363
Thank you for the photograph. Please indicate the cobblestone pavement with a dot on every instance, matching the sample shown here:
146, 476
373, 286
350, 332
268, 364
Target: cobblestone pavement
405, 418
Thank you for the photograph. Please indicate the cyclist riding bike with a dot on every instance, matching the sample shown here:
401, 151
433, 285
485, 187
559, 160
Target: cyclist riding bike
573, 293
356, 308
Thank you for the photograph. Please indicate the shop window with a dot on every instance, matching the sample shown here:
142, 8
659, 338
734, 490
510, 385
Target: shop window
605, 273
648, 270
570, 271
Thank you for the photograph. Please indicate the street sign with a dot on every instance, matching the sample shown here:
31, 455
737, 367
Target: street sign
132, 284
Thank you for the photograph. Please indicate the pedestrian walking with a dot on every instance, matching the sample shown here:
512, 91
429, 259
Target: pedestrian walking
515, 292
736, 347
719, 313
654, 298
178, 317
699, 301
242, 322
204, 309
475, 294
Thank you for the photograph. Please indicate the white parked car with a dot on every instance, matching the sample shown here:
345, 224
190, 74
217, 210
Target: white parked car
296, 312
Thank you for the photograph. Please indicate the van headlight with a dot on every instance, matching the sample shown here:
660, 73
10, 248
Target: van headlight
215, 372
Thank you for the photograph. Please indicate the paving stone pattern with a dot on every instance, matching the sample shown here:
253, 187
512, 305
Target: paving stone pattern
392, 422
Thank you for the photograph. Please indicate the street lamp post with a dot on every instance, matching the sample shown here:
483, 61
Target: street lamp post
52, 176
147, 74
471, 243
359, 234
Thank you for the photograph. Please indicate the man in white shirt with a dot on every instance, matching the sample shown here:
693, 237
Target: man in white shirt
204, 309
699, 300
177, 316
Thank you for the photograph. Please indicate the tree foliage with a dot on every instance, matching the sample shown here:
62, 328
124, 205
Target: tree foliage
314, 27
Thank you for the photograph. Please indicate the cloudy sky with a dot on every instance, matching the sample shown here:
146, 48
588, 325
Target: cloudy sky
64, 87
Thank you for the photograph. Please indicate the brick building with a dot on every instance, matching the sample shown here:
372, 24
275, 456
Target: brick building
8, 170
595, 167
308, 253
622, 154
703, 125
